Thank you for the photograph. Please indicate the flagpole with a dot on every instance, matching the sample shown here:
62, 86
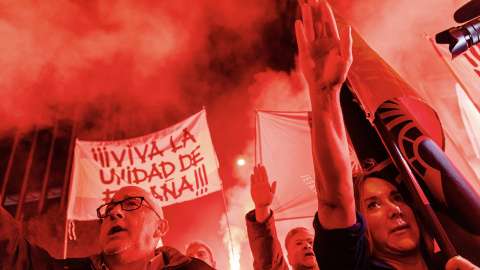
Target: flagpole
414, 188
226, 214
71, 146
65, 239
66, 178
228, 223
257, 124
449, 67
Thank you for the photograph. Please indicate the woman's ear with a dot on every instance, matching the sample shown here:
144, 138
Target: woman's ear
162, 228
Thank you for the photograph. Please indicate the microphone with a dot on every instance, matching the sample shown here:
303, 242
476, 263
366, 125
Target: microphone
467, 12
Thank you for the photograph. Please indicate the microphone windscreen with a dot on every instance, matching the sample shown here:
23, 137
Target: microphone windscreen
467, 12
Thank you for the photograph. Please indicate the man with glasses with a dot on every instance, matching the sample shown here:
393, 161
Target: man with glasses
132, 224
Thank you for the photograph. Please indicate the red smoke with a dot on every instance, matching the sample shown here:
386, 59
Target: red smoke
138, 63
127, 68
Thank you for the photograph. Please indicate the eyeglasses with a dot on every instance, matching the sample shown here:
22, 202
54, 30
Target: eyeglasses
129, 204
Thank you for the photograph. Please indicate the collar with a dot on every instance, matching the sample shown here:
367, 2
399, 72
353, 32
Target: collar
156, 263
97, 261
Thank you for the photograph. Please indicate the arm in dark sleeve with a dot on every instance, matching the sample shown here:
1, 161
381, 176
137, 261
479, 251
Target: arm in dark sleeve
15, 251
266, 250
341, 248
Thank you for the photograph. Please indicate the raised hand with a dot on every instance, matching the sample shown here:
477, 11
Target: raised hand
262, 193
325, 56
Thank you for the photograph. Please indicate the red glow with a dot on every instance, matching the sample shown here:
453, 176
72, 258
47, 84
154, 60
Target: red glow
125, 69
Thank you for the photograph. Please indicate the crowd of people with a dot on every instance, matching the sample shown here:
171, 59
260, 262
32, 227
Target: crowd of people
361, 224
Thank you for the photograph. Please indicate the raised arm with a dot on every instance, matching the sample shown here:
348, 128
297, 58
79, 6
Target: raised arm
325, 58
261, 231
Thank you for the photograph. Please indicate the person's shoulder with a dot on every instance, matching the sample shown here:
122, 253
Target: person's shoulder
198, 264
73, 264
173, 257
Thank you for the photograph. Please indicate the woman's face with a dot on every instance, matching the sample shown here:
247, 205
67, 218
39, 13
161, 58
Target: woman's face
390, 221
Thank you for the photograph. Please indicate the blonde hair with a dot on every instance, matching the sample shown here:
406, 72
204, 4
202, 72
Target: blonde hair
370, 168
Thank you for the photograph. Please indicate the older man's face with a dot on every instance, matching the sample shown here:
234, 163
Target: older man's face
129, 231
300, 251
200, 252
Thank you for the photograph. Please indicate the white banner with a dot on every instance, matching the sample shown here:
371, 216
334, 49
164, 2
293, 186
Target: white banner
283, 146
176, 164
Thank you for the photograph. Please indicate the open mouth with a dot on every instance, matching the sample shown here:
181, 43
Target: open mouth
400, 228
115, 230
309, 253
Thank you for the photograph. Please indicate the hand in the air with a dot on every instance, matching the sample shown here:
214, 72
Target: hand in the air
325, 56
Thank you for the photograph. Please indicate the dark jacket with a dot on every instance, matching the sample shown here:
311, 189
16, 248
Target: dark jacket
266, 250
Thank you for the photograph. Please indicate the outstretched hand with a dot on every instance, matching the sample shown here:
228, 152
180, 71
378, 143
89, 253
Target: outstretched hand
325, 56
262, 193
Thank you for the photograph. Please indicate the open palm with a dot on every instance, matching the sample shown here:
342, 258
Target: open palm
325, 57
260, 190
